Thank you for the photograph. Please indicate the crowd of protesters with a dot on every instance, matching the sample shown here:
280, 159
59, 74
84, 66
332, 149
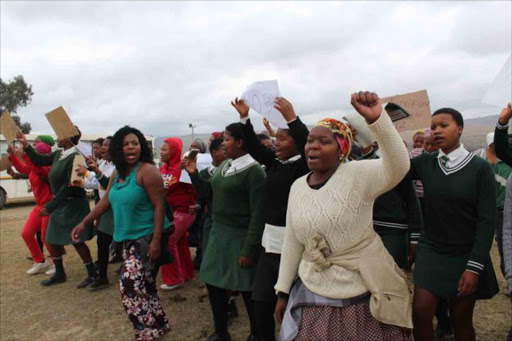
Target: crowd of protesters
314, 230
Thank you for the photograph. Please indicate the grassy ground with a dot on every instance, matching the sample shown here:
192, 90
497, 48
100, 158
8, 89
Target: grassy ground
31, 312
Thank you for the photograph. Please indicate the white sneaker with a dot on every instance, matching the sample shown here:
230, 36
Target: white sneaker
170, 287
51, 271
37, 268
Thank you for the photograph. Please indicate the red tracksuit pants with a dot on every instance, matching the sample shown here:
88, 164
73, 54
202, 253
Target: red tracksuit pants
35, 224
182, 269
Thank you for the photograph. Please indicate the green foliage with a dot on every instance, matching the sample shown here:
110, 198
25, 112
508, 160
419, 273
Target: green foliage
14, 94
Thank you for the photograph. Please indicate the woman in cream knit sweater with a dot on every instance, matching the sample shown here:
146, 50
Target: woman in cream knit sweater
348, 285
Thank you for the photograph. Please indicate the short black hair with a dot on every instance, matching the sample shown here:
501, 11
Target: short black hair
237, 131
262, 137
457, 116
75, 139
99, 141
215, 144
108, 138
115, 149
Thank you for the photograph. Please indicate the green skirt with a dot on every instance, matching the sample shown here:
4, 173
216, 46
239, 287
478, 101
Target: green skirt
440, 273
220, 266
106, 224
64, 218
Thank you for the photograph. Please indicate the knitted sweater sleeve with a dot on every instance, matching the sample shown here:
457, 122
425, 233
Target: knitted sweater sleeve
291, 253
507, 234
380, 176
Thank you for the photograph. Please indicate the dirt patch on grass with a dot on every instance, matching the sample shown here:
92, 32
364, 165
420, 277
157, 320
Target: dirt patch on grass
62, 312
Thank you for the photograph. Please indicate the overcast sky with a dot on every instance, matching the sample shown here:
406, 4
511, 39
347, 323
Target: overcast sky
161, 65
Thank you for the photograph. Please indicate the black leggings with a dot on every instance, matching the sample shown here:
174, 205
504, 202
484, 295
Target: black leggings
219, 302
265, 323
103, 241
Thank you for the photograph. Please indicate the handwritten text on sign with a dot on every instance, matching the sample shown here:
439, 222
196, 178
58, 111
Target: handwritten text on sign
260, 97
417, 104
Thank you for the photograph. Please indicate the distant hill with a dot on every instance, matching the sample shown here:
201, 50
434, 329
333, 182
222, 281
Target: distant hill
473, 137
482, 121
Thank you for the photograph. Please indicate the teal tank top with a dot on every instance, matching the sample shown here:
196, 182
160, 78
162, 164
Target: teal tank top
133, 210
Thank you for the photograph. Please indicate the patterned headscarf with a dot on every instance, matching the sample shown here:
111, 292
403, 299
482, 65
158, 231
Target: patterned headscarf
342, 134
202, 145
47, 139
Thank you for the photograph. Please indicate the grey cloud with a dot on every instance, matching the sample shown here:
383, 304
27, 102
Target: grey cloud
161, 65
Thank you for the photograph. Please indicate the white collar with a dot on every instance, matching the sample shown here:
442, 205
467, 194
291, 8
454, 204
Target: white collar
107, 168
239, 164
211, 168
65, 153
291, 160
457, 160
457, 154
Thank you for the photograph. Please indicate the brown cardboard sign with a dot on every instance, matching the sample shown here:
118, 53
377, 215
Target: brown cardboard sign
8, 127
77, 181
417, 105
5, 163
61, 124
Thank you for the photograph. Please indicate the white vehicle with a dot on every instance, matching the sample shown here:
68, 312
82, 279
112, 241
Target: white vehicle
18, 190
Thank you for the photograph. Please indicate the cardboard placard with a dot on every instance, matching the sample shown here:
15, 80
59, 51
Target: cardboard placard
5, 163
500, 91
77, 181
417, 105
61, 124
260, 97
8, 127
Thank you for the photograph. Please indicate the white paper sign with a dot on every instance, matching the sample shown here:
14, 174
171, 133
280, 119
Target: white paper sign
364, 135
500, 91
260, 97
203, 161
84, 148
184, 177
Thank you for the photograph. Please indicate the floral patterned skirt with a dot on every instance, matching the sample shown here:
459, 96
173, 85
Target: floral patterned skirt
139, 295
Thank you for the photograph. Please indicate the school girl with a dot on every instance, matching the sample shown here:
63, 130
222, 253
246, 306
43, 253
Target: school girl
68, 207
452, 255
230, 258
283, 166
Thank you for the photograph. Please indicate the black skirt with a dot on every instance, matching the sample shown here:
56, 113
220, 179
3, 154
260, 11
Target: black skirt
267, 272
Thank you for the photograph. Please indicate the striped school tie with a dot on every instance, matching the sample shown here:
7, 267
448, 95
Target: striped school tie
444, 160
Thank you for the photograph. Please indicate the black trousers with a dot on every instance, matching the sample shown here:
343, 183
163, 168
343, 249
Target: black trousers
264, 295
499, 238
103, 240
219, 303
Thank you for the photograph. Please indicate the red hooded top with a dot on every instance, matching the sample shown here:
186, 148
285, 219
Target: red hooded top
181, 195
38, 177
